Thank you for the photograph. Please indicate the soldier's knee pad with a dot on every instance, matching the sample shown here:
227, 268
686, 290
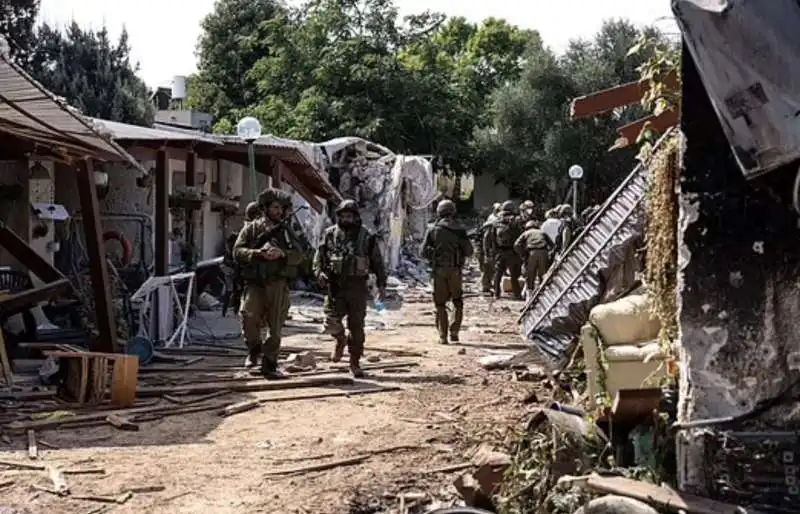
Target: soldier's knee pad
333, 326
458, 303
440, 306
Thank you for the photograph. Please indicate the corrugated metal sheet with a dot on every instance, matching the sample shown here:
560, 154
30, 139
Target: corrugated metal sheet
552, 319
28, 110
748, 54
125, 132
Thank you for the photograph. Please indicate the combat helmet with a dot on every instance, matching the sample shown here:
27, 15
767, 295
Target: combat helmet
347, 205
496, 208
252, 211
565, 211
527, 204
508, 206
272, 195
446, 208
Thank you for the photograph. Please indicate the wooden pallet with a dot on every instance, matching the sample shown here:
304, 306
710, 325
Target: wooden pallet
87, 376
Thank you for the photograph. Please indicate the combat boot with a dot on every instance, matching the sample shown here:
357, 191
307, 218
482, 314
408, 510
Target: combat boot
253, 355
355, 368
453, 337
268, 370
338, 350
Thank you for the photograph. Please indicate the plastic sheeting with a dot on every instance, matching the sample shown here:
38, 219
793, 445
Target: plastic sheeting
747, 54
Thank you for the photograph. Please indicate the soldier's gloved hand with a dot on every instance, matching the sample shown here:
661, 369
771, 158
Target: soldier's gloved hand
322, 279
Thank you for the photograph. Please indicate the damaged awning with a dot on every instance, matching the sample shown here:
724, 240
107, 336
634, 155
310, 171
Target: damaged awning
155, 138
30, 112
747, 54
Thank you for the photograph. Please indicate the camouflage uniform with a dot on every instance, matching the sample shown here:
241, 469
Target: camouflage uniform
343, 262
484, 258
268, 257
447, 247
499, 241
533, 246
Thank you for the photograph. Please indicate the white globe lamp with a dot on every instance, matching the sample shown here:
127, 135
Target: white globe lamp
248, 129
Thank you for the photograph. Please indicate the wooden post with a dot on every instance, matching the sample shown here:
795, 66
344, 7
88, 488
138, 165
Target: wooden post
276, 177
161, 250
90, 209
161, 214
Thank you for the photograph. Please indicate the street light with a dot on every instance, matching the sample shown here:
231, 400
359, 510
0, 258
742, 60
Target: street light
249, 129
575, 174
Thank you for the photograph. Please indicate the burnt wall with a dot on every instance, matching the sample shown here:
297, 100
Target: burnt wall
739, 282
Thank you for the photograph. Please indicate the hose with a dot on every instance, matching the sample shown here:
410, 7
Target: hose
127, 249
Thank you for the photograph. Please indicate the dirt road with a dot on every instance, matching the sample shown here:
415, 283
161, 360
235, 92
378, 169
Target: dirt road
202, 463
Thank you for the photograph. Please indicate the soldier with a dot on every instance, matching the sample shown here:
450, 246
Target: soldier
565, 214
485, 260
268, 257
342, 264
526, 211
233, 282
447, 247
533, 246
499, 243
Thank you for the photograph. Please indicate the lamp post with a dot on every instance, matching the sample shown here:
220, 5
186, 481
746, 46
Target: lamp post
575, 174
249, 129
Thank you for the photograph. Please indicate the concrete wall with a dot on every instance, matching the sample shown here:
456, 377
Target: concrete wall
738, 274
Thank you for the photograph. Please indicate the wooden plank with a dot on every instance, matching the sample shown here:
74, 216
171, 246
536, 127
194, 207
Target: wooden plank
615, 97
628, 134
124, 380
244, 387
662, 497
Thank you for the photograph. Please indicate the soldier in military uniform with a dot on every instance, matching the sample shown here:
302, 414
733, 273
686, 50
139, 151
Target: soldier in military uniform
485, 260
533, 246
526, 211
499, 243
447, 247
343, 262
268, 258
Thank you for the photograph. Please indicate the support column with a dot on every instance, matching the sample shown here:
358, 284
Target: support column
276, 177
104, 312
161, 245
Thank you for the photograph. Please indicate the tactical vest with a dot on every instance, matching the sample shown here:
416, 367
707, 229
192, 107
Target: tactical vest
348, 258
259, 271
447, 247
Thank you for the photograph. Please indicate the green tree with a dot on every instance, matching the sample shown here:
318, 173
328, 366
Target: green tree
17, 24
92, 73
531, 142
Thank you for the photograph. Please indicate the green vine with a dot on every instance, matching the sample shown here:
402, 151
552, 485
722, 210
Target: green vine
661, 71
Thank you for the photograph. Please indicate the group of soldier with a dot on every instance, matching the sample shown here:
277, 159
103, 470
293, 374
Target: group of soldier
512, 241
266, 256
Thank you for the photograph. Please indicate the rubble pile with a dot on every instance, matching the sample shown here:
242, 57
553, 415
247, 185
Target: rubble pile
393, 192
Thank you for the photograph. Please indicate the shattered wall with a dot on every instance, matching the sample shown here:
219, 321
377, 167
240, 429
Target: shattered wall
739, 302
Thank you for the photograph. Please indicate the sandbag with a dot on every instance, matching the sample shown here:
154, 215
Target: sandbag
625, 321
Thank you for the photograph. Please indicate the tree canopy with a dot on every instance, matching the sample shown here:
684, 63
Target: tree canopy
486, 97
483, 97
92, 72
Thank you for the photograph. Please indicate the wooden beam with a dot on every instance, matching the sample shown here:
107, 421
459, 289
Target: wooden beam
27, 256
15, 303
618, 96
90, 210
161, 214
276, 177
291, 179
628, 134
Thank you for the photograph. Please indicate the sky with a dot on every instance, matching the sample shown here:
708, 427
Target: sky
163, 33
